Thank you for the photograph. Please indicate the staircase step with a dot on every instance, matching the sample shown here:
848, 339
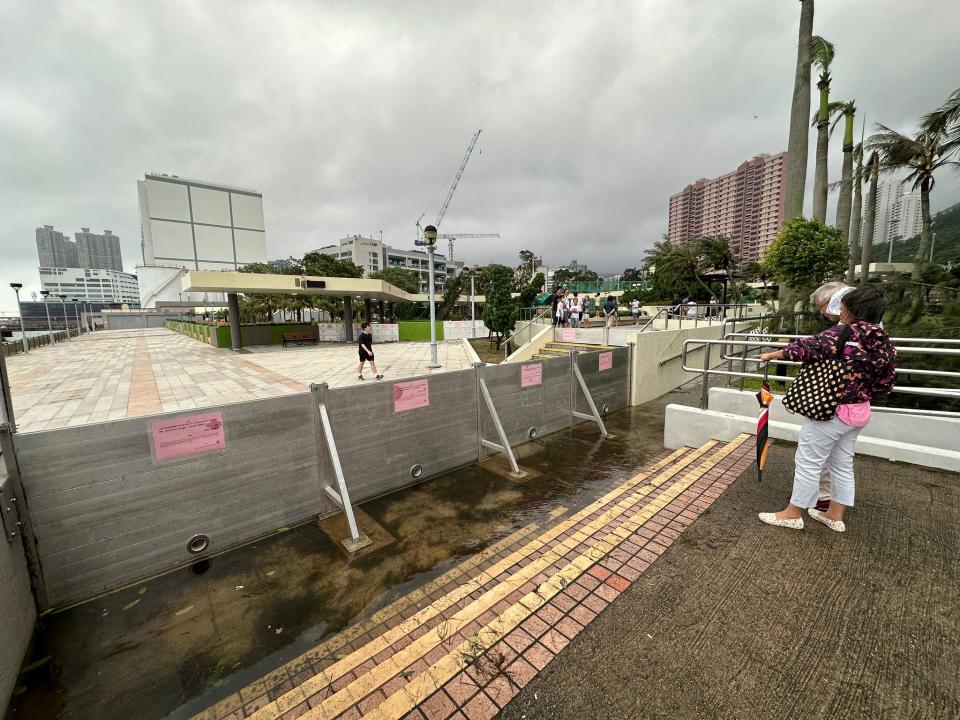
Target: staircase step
490, 602
567, 347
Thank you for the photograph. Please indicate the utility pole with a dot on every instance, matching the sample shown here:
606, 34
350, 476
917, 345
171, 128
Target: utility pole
46, 295
430, 236
23, 333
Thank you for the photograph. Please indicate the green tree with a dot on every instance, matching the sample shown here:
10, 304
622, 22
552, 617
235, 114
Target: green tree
805, 254
631, 274
716, 254
821, 53
799, 137
323, 265
856, 212
530, 291
500, 309
402, 278
524, 271
452, 290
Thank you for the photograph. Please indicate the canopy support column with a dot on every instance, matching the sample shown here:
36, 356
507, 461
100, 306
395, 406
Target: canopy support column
348, 318
236, 342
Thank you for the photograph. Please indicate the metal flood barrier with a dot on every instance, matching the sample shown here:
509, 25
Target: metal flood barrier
112, 503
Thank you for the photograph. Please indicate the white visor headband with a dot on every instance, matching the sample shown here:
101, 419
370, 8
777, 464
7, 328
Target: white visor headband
833, 308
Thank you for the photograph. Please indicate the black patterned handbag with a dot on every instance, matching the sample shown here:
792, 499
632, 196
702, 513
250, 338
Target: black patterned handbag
816, 392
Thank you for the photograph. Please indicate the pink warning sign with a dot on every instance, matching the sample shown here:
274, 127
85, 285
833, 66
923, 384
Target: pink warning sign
188, 435
606, 361
531, 375
410, 395
568, 335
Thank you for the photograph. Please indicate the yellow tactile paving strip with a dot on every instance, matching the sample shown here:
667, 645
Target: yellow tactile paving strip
575, 532
421, 687
330, 647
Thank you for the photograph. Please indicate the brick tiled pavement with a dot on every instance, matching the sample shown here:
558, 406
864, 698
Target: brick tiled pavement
465, 644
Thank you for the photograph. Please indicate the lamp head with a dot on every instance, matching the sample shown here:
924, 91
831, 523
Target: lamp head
44, 293
62, 297
17, 286
430, 234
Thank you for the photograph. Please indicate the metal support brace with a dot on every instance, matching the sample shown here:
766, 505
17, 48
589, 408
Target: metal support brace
356, 540
504, 446
593, 408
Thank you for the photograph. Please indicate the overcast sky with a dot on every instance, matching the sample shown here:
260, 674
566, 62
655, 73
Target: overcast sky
353, 117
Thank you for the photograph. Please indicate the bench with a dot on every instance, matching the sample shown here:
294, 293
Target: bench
299, 337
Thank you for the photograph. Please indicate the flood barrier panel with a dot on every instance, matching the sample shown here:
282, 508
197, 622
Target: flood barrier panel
106, 510
113, 503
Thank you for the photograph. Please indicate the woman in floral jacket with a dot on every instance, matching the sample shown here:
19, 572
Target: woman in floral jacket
829, 444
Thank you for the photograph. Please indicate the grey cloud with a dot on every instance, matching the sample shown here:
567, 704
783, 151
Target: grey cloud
352, 117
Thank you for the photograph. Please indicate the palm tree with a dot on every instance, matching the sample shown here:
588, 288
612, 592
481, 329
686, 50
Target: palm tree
716, 254
872, 168
799, 138
846, 109
821, 53
856, 212
933, 147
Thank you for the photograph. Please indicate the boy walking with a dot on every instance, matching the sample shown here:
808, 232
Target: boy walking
365, 350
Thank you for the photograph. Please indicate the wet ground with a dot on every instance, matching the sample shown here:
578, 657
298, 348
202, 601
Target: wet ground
175, 644
739, 620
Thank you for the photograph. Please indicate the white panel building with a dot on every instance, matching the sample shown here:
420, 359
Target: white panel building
373, 255
190, 224
91, 284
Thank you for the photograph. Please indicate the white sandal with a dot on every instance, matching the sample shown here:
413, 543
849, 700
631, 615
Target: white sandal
835, 525
771, 519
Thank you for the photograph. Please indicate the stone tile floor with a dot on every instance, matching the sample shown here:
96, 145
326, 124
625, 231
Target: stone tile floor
111, 375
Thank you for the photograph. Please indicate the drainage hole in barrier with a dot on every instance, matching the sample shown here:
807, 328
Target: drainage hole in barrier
532, 433
416, 471
605, 410
197, 544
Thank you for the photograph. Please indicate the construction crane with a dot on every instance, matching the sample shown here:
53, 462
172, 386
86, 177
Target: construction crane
450, 237
453, 188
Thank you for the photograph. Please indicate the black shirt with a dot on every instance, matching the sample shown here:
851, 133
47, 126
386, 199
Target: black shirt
365, 339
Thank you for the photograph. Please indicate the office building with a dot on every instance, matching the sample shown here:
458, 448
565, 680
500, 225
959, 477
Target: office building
91, 284
98, 251
745, 206
373, 255
194, 225
54, 249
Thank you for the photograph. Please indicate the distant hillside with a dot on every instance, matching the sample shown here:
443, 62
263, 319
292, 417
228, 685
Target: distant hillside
947, 246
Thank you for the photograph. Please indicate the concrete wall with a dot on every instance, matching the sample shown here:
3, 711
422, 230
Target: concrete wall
16, 608
133, 320
690, 426
105, 513
657, 368
379, 445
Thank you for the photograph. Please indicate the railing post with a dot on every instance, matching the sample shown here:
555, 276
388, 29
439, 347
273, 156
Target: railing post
6, 401
705, 387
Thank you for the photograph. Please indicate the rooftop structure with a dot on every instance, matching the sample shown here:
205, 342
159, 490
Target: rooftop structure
91, 284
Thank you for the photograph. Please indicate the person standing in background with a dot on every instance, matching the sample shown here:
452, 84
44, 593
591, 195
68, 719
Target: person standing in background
610, 310
635, 311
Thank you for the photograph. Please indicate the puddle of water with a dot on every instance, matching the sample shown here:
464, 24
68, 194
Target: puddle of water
148, 650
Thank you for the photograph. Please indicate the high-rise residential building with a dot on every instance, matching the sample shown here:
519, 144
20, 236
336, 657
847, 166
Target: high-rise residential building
745, 206
54, 249
898, 213
373, 255
194, 225
98, 251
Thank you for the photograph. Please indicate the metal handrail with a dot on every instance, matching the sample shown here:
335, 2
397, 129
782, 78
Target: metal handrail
706, 371
529, 323
650, 321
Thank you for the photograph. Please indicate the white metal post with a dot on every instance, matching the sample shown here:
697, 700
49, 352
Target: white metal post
473, 310
433, 320
49, 324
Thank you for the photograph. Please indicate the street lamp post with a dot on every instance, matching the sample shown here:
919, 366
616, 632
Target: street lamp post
23, 333
46, 295
430, 236
63, 309
76, 314
473, 308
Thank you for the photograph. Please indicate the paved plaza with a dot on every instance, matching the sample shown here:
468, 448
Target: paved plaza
111, 375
